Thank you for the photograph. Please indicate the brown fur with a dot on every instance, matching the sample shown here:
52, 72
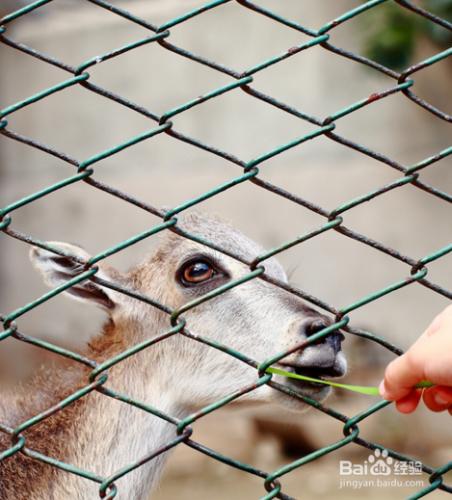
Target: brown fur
24, 478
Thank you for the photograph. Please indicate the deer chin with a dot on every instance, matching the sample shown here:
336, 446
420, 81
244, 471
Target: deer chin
297, 391
313, 390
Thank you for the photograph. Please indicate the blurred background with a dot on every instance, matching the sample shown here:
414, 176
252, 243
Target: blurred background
165, 172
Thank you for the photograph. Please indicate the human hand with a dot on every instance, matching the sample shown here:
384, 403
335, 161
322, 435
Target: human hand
429, 358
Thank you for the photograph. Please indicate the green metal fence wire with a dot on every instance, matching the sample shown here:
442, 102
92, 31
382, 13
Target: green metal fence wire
325, 126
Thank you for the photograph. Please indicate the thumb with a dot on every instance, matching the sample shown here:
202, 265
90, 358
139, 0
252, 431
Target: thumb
400, 377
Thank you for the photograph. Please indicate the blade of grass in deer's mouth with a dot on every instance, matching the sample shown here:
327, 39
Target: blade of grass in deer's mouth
362, 389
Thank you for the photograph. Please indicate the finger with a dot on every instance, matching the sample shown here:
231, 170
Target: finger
410, 402
401, 376
438, 398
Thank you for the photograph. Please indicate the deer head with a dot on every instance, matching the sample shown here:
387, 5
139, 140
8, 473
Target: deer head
255, 318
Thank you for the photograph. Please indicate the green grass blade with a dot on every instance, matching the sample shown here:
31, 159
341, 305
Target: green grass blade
362, 389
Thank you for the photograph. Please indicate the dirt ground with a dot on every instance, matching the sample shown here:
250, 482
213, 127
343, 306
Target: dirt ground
320, 481
192, 475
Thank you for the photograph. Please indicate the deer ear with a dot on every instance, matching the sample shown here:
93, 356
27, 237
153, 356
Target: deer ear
57, 270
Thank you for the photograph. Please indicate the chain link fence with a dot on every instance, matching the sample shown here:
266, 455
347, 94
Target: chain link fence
84, 171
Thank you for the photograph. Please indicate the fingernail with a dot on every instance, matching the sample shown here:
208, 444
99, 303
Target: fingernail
440, 400
382, 388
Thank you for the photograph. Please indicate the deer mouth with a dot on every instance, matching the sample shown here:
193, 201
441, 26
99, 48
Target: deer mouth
320, 373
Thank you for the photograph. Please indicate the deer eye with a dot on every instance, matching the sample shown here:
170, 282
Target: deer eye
196, 272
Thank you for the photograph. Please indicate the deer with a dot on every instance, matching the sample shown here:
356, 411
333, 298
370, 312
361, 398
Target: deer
177, 375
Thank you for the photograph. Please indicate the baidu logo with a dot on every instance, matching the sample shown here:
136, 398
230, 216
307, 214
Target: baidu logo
379, 463
375, 471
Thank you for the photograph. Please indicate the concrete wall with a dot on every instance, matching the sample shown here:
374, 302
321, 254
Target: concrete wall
165, 172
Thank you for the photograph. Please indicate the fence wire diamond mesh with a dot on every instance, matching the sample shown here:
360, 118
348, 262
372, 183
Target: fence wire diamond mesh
162, 124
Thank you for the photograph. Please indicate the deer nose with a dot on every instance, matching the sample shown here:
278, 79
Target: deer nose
314, 325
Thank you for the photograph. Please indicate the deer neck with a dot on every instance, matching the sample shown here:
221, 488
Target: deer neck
96, 433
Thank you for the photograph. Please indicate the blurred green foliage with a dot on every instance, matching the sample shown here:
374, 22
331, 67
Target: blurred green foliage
393, 31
